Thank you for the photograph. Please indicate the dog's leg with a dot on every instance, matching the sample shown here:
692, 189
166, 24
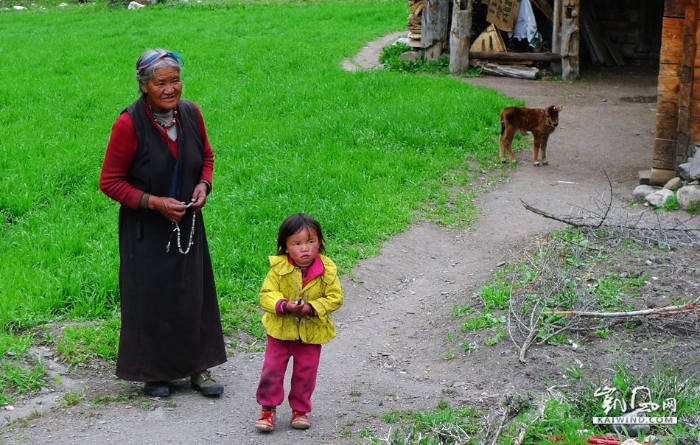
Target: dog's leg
543, 148
509, 145
535, 148
502, 148
506, 143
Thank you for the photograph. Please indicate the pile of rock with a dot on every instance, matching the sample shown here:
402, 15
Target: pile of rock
685, 189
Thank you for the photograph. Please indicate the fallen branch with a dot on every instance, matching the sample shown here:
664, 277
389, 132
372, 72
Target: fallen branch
569, 221
667, 310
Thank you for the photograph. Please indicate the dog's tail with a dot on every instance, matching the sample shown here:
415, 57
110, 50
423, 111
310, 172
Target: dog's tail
503, 126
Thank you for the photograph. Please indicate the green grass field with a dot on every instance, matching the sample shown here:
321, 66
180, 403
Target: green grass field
365, 153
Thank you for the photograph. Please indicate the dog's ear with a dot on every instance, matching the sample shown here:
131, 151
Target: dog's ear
559, 107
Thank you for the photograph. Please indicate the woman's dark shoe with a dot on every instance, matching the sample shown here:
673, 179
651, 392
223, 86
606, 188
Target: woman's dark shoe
203, 383
156, 389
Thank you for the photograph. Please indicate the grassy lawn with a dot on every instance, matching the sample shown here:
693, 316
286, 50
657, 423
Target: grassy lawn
366, 153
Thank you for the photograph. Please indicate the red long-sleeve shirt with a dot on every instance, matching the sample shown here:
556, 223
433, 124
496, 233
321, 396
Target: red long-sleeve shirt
121, 149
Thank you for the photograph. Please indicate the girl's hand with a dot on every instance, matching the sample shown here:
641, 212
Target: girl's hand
298, 308
294, 307
305, 309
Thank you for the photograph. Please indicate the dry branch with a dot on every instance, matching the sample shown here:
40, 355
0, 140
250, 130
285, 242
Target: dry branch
662, 311
549, 296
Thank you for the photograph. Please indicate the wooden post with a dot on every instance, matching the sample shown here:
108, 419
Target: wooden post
460, 36
690, 27
555, 66
671, 61
570, 40
434, 28
556, 27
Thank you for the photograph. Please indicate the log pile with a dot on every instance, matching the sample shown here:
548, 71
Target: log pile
414, 19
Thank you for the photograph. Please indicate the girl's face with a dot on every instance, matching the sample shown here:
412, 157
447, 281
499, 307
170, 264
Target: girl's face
163, 89
302, 247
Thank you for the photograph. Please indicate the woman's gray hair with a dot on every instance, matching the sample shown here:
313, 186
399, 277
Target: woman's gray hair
152, 59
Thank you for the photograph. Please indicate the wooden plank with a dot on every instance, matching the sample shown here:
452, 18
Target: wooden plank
570, 40
674, 8
544, 7
460, 36
671, 41
669, 88
513, 57
666, 107
662, 151
589, 25
666, 127
672, 38
674, 60
694, 109
696, 87
556, 27
434, 28
519, 72
669, 70
690, 29
695, 130
614, 52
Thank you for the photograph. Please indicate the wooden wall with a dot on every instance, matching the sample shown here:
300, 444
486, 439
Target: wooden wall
678, 104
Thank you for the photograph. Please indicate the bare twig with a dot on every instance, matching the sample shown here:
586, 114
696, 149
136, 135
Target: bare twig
662, 311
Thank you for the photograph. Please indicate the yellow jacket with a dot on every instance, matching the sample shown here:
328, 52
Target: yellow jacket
323, 293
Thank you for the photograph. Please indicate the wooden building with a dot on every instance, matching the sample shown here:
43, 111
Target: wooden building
580, 33
678, 103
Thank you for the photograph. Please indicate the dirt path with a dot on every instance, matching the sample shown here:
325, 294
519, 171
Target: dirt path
393, 350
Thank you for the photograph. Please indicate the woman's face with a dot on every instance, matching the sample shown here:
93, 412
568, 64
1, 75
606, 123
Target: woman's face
163, 89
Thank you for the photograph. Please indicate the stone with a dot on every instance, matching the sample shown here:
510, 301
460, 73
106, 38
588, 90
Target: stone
644, 177
688, 196
659, 176
674, 184
642, 191
658, 198
409, 56
690, 171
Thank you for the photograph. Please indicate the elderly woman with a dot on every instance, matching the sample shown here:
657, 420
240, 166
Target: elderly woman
158, 166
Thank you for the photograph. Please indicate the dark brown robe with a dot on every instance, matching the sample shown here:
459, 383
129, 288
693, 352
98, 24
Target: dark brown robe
171, 327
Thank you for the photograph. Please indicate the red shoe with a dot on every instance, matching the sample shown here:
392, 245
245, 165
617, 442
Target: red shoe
300, 421
266, 422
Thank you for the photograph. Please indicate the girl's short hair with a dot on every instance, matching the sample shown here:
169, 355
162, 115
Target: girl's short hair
295, 223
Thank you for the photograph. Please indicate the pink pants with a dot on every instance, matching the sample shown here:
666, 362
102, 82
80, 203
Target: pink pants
270, 391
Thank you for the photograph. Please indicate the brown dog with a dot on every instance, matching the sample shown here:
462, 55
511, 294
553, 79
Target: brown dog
541, 122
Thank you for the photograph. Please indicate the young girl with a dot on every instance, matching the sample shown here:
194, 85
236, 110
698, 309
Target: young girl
300, 292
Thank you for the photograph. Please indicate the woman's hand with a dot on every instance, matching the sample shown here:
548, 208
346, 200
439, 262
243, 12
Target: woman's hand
172, 209
199, 196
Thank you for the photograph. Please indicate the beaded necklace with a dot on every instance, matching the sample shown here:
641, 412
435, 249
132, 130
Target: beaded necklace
161, 123
176, 229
